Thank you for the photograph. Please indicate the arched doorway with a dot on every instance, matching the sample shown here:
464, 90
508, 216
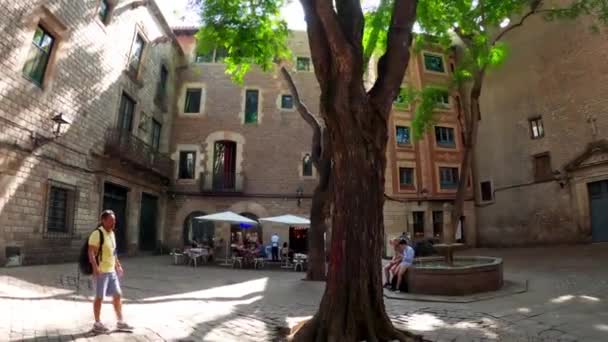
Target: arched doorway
202, 231
242, 231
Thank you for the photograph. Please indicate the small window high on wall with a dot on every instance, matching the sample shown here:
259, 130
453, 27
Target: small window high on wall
307, 167
187, 160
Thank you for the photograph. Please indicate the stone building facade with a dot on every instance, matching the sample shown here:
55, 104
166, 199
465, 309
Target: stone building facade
422, 175
542, 154
85, 94
92, 118
242, 148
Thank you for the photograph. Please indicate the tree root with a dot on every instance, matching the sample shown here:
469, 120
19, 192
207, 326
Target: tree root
308, 331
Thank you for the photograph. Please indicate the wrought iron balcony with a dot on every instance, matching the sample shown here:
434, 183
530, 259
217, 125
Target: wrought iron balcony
124, 145
222, 182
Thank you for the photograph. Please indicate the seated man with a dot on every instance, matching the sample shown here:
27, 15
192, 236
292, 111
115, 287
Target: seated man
391, 268
408, 258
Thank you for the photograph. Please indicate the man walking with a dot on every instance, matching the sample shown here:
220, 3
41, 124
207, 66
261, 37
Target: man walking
274, 240
106, 270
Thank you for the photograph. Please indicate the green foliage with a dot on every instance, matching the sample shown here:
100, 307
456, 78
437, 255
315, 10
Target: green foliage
407, 95
427, 102
598, 9
251, 31
377, 22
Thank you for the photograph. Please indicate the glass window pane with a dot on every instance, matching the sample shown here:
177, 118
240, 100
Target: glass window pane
57, 219
287, 102
187, 161
220, 54
251, 106
433, 63
193, 100
307, 166
103, 11
303, 64
138, 47
38, 56
403, 135
444, 136
406, 176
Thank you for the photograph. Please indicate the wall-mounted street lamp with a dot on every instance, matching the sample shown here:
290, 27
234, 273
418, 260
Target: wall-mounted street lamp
58, 121
300, 193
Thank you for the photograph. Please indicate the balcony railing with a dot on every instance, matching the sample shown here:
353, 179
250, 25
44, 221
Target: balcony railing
124, 145
223, 182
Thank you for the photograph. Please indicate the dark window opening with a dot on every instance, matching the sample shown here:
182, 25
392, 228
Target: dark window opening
307, 166
542, 167
127, 108
403, 135
187, 160
433, 63
437, 224
303, 64
60, 209
162, 83
406, 177
286, 101
156, 129
537, 130
224, 166
486, 191
418, 224
193, 100
444, 136
104, 11
251, 105
448, 177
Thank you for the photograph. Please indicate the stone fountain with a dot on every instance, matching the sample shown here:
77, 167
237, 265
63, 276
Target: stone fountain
454, 276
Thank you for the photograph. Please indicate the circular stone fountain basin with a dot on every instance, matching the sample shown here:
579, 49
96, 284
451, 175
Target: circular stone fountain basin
467, 275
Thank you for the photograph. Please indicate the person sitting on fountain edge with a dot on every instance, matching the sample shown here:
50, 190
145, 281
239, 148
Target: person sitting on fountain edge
407, 260
393, 266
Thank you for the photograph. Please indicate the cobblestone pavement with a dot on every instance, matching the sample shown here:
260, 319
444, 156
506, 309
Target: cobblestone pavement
566, 301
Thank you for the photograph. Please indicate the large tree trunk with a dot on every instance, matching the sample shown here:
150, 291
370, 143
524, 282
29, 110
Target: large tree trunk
352, 307
316, 234
471, 124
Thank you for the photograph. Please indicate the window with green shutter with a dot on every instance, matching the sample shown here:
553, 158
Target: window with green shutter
39, 55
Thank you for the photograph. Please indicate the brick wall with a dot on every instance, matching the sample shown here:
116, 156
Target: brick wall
554, 71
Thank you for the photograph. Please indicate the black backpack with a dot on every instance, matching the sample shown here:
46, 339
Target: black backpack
83, 261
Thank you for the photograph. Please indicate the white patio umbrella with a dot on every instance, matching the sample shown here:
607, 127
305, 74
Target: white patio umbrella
290, 220
229, 217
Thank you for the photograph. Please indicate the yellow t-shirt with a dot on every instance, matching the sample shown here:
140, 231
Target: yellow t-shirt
108, 250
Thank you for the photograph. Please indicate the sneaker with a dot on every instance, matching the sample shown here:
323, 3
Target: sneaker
387, 285
99, 328
123, 326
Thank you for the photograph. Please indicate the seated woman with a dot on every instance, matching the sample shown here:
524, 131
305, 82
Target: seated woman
284, 251
391, 268
406, 262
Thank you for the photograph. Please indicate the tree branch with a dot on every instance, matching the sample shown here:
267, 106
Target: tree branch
319, 46
392, 65
374, 34
534, 8
313, 122
324, 12
350, 16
